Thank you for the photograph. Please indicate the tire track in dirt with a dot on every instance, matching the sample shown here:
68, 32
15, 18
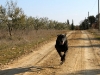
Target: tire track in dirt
92, 62
93, 49
89, 60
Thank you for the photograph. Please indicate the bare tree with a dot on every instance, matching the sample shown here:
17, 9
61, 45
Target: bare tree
15, 16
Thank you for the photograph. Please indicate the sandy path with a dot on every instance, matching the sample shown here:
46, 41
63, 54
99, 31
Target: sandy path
83, 58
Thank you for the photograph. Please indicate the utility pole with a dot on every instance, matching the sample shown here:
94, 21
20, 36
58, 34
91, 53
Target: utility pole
98, 16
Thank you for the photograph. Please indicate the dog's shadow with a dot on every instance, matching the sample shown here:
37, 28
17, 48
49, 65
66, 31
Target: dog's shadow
19, 70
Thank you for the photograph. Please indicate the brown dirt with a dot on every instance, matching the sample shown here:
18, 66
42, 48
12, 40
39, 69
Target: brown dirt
83, 58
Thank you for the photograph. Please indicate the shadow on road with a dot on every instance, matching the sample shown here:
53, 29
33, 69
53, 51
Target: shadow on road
87, 46
86, 72
85, 39
19, 70
83, 46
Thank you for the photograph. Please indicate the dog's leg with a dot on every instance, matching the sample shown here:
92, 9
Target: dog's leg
63, 57
59, 53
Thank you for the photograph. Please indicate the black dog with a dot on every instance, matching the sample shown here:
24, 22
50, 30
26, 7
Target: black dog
61, 46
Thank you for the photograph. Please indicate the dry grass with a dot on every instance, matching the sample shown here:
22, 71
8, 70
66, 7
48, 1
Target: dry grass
22, 42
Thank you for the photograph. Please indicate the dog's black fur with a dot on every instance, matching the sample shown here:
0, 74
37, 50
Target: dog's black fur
61, 46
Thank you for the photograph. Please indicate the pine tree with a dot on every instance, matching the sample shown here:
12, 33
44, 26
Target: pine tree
72, 25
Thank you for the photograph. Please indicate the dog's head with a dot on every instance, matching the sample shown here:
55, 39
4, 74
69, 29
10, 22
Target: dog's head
61, 38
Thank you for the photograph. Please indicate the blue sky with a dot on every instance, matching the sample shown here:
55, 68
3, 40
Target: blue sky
59, 10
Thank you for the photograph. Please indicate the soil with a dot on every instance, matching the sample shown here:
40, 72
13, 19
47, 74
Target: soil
82, 58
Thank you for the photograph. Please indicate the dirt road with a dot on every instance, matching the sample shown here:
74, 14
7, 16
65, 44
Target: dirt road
83, 58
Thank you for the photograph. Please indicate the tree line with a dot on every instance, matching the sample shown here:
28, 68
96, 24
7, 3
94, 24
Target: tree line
90, 22
12, 18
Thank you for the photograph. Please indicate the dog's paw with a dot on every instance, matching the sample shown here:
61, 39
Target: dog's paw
61, 63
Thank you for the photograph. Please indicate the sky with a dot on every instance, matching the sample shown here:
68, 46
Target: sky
59, 10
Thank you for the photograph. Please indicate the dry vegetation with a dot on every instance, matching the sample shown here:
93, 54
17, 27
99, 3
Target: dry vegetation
22, 42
